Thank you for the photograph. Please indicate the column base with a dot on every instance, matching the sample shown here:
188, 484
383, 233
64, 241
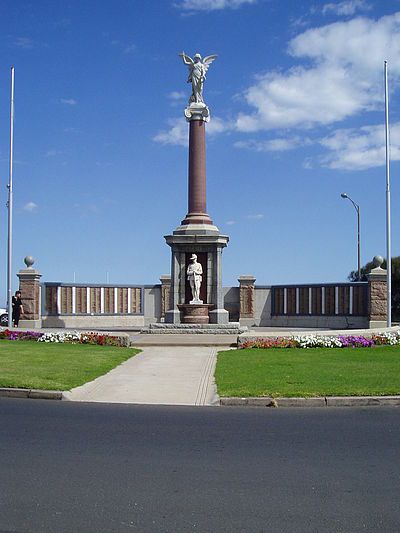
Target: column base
377, 324
30, 324
173, 316
219, 316
197, 218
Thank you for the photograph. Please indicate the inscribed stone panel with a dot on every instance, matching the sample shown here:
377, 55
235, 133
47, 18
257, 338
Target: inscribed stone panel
81, 300
316, 300
277, 298
303, 304
51, 300
360, 300
136, 304
291, 301
123, 300
344, 300
95, 300
109, 300
330, 300
66, 300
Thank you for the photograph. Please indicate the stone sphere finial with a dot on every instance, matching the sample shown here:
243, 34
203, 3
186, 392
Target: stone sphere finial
378, 261
29, 261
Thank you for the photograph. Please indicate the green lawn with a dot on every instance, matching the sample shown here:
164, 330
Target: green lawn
309, 372
37, 365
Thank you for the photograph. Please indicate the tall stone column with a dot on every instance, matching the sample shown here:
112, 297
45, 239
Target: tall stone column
29, 285
197, 210
377, 295
197, 233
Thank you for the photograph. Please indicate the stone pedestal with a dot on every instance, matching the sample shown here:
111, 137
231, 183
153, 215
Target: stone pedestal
377, 295
195, 313
208, 246
29, 285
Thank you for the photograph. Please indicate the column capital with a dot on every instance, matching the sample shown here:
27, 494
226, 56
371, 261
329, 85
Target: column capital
246, 280
29, 274
378, 273
197, 112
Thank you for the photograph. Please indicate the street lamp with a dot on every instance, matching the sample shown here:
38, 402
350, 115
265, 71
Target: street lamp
357, 208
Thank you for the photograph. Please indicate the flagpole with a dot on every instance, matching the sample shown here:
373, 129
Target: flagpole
388, 236
10, 205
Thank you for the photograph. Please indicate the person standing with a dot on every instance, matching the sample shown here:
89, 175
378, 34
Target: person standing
17, 308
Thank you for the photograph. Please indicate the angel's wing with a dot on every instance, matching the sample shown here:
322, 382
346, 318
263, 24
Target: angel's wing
208, 60
186, 59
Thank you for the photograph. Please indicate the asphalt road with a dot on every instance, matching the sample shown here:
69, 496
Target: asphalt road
76, 467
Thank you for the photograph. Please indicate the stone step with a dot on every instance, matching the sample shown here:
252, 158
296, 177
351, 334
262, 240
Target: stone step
164, 325
191, 332
232, 328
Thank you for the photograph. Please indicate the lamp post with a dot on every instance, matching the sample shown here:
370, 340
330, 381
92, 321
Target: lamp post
357, 208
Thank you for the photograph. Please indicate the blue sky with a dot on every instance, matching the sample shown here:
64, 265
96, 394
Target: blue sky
296, 97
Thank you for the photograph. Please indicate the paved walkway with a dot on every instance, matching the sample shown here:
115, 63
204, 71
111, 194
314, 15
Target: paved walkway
178, 375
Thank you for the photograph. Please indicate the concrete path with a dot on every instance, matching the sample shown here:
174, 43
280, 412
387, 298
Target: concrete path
169, 375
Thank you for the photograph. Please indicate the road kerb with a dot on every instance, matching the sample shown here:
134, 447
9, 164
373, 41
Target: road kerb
12, 392
322, 401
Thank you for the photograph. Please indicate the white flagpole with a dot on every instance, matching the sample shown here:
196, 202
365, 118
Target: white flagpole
388, 236
10, 205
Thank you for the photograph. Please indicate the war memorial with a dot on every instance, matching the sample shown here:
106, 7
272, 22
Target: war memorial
192, 297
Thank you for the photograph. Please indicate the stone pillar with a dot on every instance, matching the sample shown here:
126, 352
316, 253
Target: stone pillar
246, 300
219, 315
165, 295
29, 285
197, 115
377, 295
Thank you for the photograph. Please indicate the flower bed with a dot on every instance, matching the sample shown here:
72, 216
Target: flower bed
20, 335
320, 341
65, 337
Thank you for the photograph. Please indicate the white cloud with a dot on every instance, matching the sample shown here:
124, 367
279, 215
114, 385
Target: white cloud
30, 207
359, 149
344, 77
52, 153
177, 95
127, 48
346, 8
230, 222
217, 125
178, 133
212, 5
22, 42
130, 48
274, 145
257, 216
68, 101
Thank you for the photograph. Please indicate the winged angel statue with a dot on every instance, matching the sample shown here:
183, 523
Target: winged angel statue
197, 74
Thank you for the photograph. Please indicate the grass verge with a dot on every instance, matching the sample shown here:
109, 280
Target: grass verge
39, 365
309, 372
